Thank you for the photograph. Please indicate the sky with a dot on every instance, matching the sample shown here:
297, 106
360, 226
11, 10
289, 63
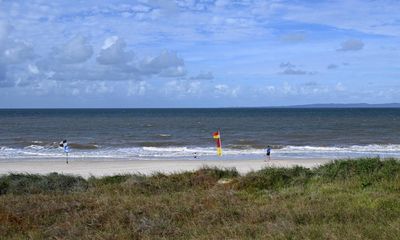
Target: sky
197, 53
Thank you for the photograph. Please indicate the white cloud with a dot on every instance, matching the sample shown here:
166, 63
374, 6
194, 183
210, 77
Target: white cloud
308, 89
42, 87
18, 52
98, 88
77, 50
33, 69
12, 54
225, 90
203, 76
287, 65
293, 37
269, 89
351, 45
167, 64
109, 42
137, 88
303, 89
5, 29
289, 89
113, 52
290, 69
13, 51
182, 88
115, 63
75, 91
168, 7
332, 66
176, 71
339, 87
221, 3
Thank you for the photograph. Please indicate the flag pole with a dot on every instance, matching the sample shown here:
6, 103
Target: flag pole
220, 141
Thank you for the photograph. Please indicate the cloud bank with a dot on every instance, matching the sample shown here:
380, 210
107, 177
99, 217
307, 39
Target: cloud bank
192, 52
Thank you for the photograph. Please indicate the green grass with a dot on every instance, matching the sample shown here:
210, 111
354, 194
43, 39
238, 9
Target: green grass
347, 199
31, 184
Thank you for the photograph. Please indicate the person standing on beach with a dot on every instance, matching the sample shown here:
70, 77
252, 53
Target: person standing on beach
268, 153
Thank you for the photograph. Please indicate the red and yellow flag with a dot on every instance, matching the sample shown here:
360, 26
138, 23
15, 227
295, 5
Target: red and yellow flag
217, 137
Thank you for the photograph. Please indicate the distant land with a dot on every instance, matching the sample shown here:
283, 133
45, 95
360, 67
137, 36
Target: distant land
349, 105
315, 105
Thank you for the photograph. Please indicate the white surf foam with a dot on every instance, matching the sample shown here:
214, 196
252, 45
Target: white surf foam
35, 151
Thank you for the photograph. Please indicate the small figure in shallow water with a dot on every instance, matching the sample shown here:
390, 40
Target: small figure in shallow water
268, 153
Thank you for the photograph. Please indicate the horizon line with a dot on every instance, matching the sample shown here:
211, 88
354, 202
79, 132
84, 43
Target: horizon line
312, 105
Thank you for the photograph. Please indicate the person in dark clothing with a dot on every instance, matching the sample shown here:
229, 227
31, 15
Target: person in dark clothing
268, 153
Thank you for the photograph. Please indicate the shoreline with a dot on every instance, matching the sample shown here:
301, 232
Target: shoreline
110, 166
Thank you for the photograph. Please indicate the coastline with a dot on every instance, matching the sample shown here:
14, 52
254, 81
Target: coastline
108, 167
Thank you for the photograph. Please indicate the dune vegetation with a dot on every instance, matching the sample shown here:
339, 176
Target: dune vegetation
345, 199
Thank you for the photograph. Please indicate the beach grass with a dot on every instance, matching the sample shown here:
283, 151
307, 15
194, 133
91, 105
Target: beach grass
345, 199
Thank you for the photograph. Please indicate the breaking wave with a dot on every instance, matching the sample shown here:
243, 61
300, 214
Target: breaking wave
162, 135
187, 152
83, 146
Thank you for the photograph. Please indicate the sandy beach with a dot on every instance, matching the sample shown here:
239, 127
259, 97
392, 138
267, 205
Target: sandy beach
87, 168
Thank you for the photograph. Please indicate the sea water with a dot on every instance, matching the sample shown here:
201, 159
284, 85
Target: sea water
187, 133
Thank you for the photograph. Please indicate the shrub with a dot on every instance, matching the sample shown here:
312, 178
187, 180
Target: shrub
109, 180
32, 183
364, 168
275, 178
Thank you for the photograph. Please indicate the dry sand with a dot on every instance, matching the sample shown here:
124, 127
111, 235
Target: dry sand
87, 168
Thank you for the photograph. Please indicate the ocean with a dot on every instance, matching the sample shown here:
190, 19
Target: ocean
187, 133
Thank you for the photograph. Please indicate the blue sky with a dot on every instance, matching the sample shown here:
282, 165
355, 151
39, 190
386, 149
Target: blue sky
159, 53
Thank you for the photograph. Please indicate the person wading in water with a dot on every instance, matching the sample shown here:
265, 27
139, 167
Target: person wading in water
268, 153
